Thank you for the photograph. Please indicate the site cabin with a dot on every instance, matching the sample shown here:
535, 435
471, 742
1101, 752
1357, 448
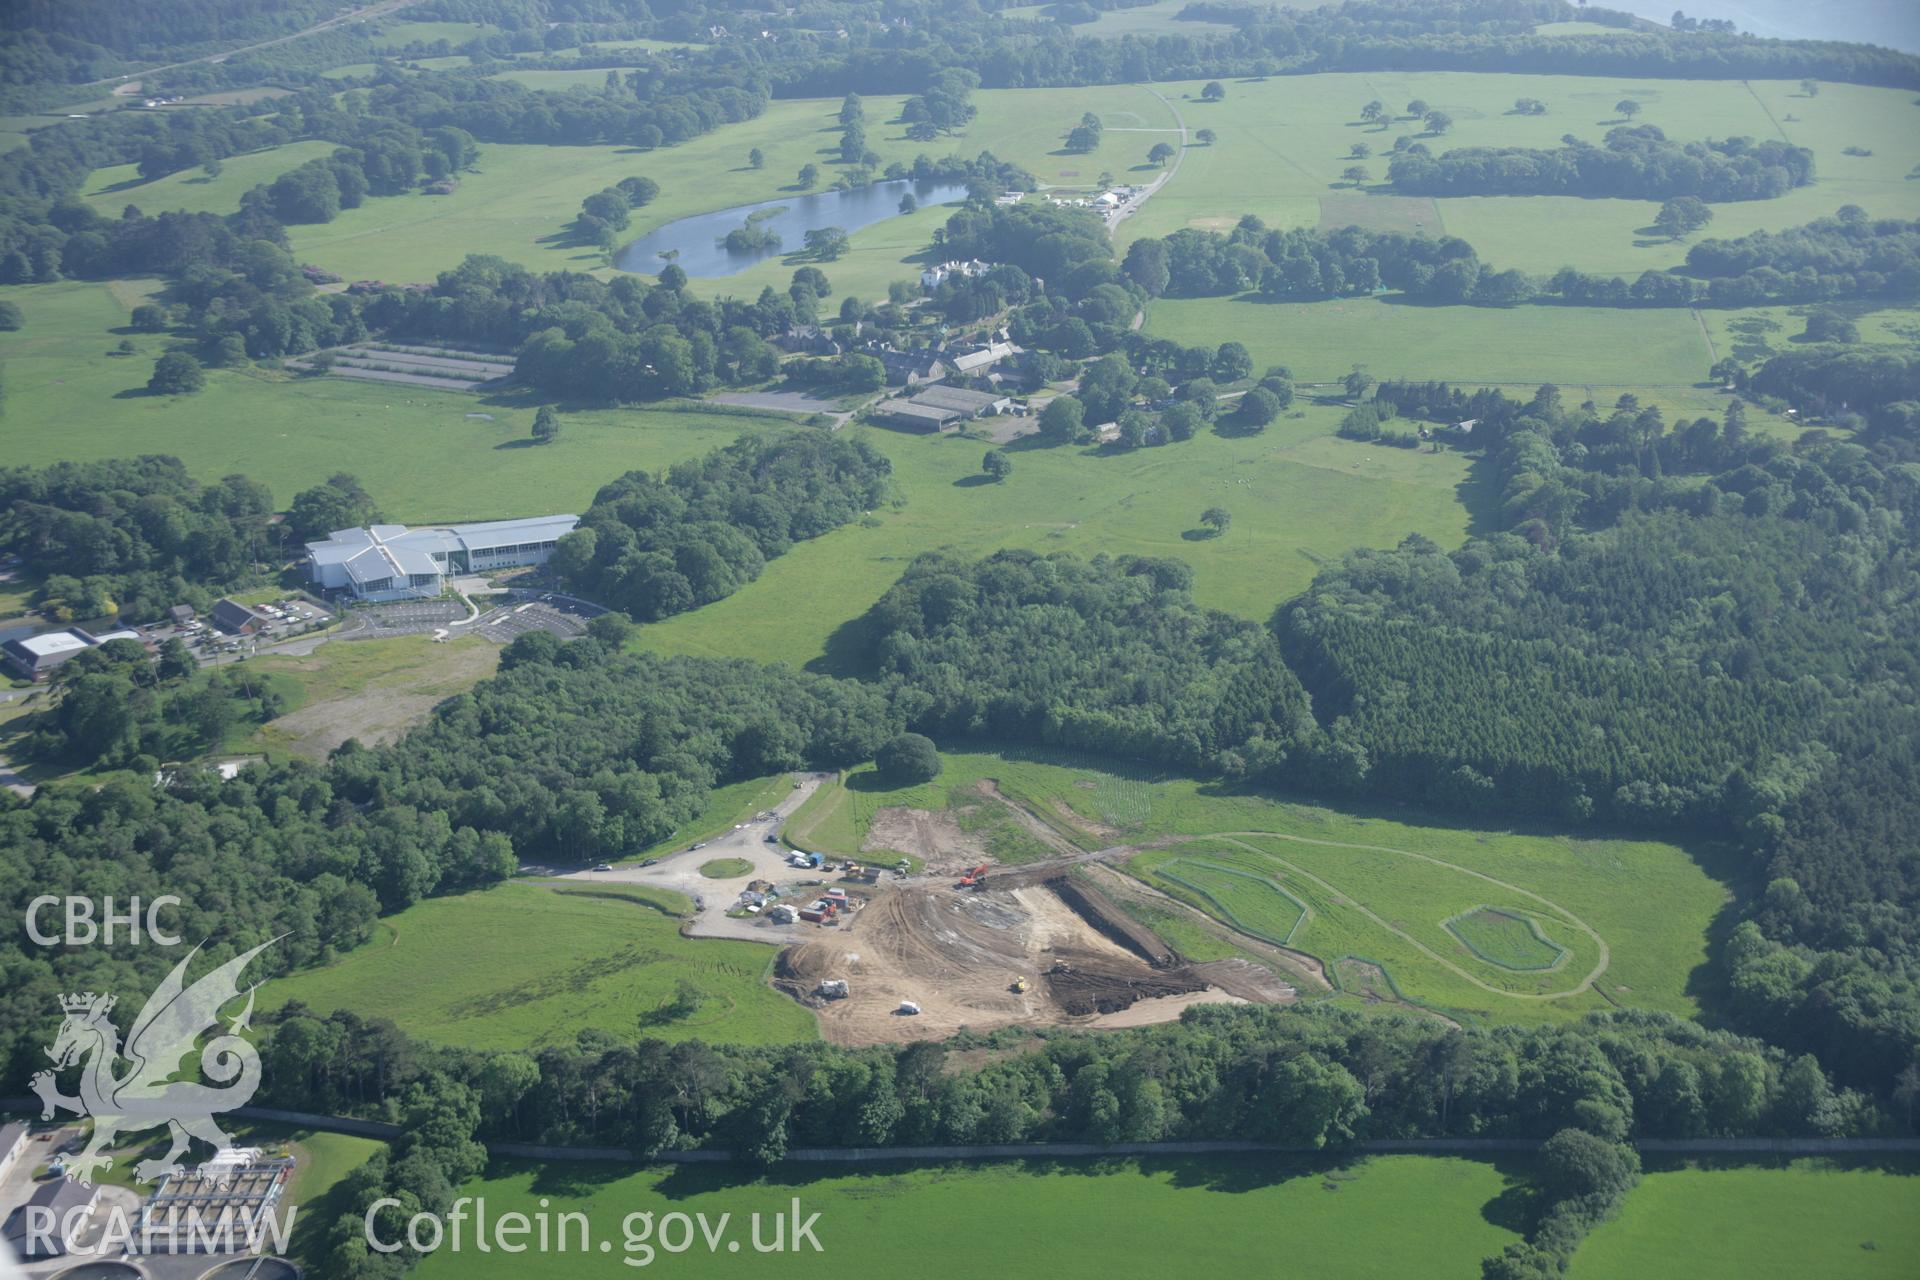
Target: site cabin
393, 562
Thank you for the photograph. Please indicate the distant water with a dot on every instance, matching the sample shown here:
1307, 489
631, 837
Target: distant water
1894, 23
694, 240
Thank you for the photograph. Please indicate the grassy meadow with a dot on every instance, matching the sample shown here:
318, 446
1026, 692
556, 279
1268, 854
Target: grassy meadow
425, 454
1284, 142
529, 964
112, 189
1068, 1219
1634, 915
1298, 496
1780, 1221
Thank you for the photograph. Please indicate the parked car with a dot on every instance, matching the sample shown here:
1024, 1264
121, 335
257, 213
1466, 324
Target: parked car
605, 866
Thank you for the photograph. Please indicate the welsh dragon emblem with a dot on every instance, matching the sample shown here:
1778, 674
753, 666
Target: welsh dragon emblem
146, 1095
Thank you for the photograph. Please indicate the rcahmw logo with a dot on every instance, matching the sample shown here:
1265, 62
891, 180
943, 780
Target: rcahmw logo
145, 1094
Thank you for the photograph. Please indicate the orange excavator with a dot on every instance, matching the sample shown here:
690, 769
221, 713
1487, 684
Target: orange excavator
974, 879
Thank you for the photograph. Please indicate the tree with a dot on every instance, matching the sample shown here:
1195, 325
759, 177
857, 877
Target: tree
1681, 215
1207, 137
809, 176
176, 374
997, 464
1627, 107
1355, 174
1810, 88
10, 316
1159, 154
149, 318
1438, 122
1374, 112
907, 759
1216, 519
826, 243
673, 277
1357, 382
1259, 407
851, 110
908, 204
1064, 420
1830, 326
1082, 139
546, 425
1146, 265
1359, 151
814, 279
1417, 108
756, 159
1231, 362
1529, 107
1213, 91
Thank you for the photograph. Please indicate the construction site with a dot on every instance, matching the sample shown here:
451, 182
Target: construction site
1040, 945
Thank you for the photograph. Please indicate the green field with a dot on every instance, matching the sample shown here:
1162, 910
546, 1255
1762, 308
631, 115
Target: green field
530, 964
1067, 1219
1299, 498
725, 868
1758, 1222
1283, 143
1609, 349
191, 191
1633, 915
1507, 939
1253, 904
424, 454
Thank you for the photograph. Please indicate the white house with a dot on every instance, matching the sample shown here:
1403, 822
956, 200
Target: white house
393, 562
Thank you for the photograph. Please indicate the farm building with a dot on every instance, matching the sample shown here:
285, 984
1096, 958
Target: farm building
393, 562
910, 368
925, 417
982, 357
938, 408
968, 404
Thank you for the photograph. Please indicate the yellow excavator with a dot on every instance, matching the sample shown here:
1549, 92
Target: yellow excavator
1019, 986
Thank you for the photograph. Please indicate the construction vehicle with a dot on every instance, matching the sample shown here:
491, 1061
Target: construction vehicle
908, 1007
833, 989
1019, 986
974, 879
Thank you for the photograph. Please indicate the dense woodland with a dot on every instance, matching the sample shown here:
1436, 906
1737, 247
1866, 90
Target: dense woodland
657, 546
1637, 162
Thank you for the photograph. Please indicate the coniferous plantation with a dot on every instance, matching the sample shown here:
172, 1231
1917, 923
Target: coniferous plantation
1147, 573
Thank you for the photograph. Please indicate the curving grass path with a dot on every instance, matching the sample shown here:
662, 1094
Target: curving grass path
1552, 909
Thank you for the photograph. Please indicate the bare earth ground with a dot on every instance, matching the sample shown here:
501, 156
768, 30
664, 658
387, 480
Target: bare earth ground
387, 705
957, 954
935, 838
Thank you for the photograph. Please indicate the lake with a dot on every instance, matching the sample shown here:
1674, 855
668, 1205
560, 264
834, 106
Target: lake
698, 238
